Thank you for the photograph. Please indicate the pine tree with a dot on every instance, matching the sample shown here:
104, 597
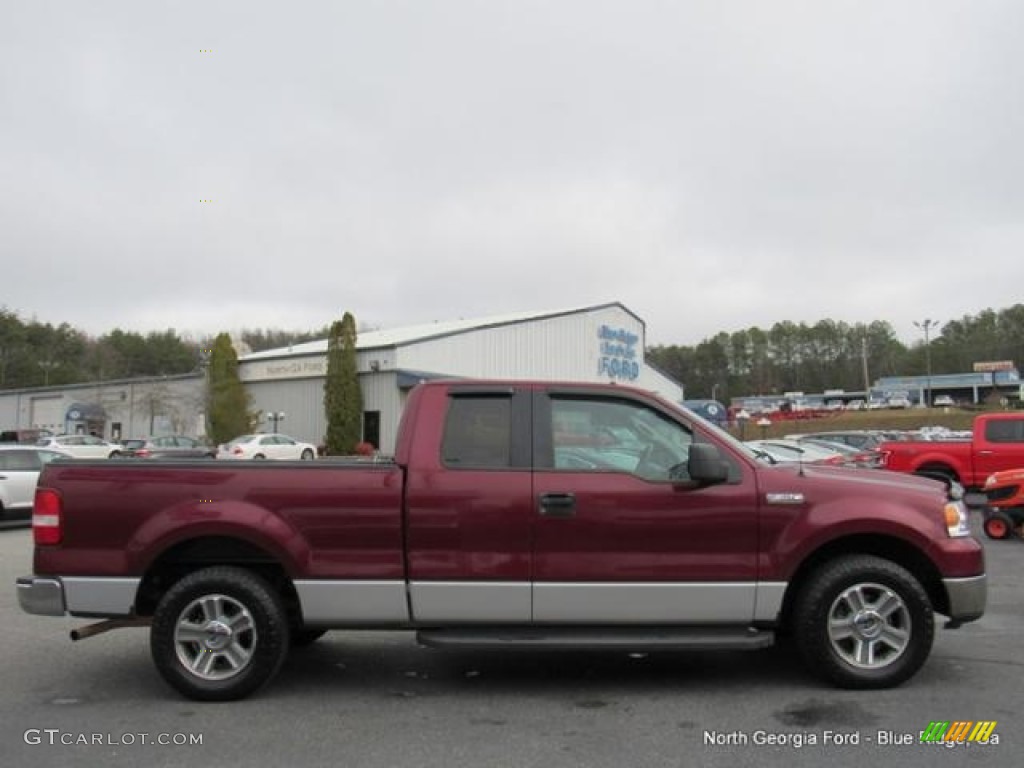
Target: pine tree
228, 413
343, 398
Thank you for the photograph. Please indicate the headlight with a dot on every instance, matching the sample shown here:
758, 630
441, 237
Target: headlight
956, 520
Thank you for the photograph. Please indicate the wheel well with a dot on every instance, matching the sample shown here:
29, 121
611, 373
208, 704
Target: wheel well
888, 548
188, 556
938, 471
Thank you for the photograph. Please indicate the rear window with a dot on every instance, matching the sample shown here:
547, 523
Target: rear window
478, 433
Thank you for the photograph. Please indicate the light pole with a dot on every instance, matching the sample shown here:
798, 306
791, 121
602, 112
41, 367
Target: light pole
47, 366
926, 325
275, 417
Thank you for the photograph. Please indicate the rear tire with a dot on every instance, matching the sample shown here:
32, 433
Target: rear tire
307, 455
863, 622
998, 526
219, 634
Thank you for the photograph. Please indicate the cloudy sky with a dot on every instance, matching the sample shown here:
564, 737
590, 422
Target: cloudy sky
712, 164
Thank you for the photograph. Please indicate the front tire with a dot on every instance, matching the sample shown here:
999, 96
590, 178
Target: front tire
219, 634
307, 455
863, 622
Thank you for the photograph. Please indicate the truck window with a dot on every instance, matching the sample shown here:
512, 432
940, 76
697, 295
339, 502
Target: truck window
1005, 431
591, 434
478, 432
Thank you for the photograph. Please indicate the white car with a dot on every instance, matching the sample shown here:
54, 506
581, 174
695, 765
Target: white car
20, 466
273, 446
82, 446
943, 401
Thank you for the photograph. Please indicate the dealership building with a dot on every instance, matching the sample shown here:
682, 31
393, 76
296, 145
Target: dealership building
601, 343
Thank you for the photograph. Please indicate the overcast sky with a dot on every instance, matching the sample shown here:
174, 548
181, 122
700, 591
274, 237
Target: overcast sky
712, 165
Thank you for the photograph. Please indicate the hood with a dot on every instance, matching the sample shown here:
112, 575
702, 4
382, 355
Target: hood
1004, 477
855, 480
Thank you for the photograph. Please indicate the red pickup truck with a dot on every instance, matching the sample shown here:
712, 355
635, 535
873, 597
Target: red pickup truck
997, 443
513, 514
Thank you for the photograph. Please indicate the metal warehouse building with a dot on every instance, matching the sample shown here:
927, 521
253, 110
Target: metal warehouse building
598, 343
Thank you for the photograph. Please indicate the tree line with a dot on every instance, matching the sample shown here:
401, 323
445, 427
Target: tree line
36, 354
792, 357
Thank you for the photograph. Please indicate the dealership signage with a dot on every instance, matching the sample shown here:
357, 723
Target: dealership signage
618, 356
282, 369
990, 366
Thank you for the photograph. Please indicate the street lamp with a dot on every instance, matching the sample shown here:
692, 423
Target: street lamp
275, 417
47, 366
926, 325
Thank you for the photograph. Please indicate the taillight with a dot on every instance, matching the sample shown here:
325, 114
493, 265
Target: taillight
143, 452
237, 450
47, 517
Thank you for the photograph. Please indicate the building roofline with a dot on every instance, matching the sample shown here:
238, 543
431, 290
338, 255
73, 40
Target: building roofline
418, 334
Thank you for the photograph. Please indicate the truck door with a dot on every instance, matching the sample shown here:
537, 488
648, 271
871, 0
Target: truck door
469, 509
621, 537
999, 446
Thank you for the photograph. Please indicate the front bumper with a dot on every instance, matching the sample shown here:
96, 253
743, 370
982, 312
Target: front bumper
967, 597
41, 595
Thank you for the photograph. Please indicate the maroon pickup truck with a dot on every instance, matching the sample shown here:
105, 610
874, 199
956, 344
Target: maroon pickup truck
996, 444
525, 514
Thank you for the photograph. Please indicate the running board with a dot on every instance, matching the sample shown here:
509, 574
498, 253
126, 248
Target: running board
600, 638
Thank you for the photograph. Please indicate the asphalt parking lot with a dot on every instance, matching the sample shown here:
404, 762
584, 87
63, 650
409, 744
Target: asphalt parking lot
378, 699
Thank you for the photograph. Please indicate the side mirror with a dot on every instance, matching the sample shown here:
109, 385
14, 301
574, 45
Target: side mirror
705, 464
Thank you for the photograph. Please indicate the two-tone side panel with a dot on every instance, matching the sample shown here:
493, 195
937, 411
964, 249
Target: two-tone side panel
621, 535
469, 508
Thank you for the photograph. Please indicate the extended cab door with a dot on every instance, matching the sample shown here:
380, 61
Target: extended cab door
469, 507
622, 536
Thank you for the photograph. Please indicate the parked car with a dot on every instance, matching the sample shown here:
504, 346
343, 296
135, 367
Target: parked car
781, 450
272, 446
167, 447
854, 438
82, 446
858, 457
20, 466
24, 436
899, 401
943, 401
